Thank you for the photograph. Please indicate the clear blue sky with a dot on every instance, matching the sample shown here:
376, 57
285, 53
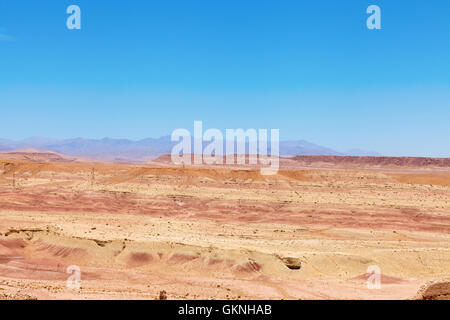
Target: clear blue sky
312, 69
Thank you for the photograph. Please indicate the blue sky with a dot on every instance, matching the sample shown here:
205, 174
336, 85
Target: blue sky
312, 69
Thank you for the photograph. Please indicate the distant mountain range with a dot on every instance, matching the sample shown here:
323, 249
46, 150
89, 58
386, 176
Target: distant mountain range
108, 149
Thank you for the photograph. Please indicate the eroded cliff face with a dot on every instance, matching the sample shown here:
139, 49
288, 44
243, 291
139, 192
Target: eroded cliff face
435, 290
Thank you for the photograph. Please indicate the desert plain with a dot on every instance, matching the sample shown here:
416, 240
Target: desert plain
141, 231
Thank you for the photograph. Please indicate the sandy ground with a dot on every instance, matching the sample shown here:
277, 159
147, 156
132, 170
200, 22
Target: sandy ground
221, 233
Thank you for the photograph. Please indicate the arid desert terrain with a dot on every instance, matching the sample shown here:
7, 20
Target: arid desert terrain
309, 232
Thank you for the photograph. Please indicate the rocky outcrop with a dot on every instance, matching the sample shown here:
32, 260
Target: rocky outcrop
435, 290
